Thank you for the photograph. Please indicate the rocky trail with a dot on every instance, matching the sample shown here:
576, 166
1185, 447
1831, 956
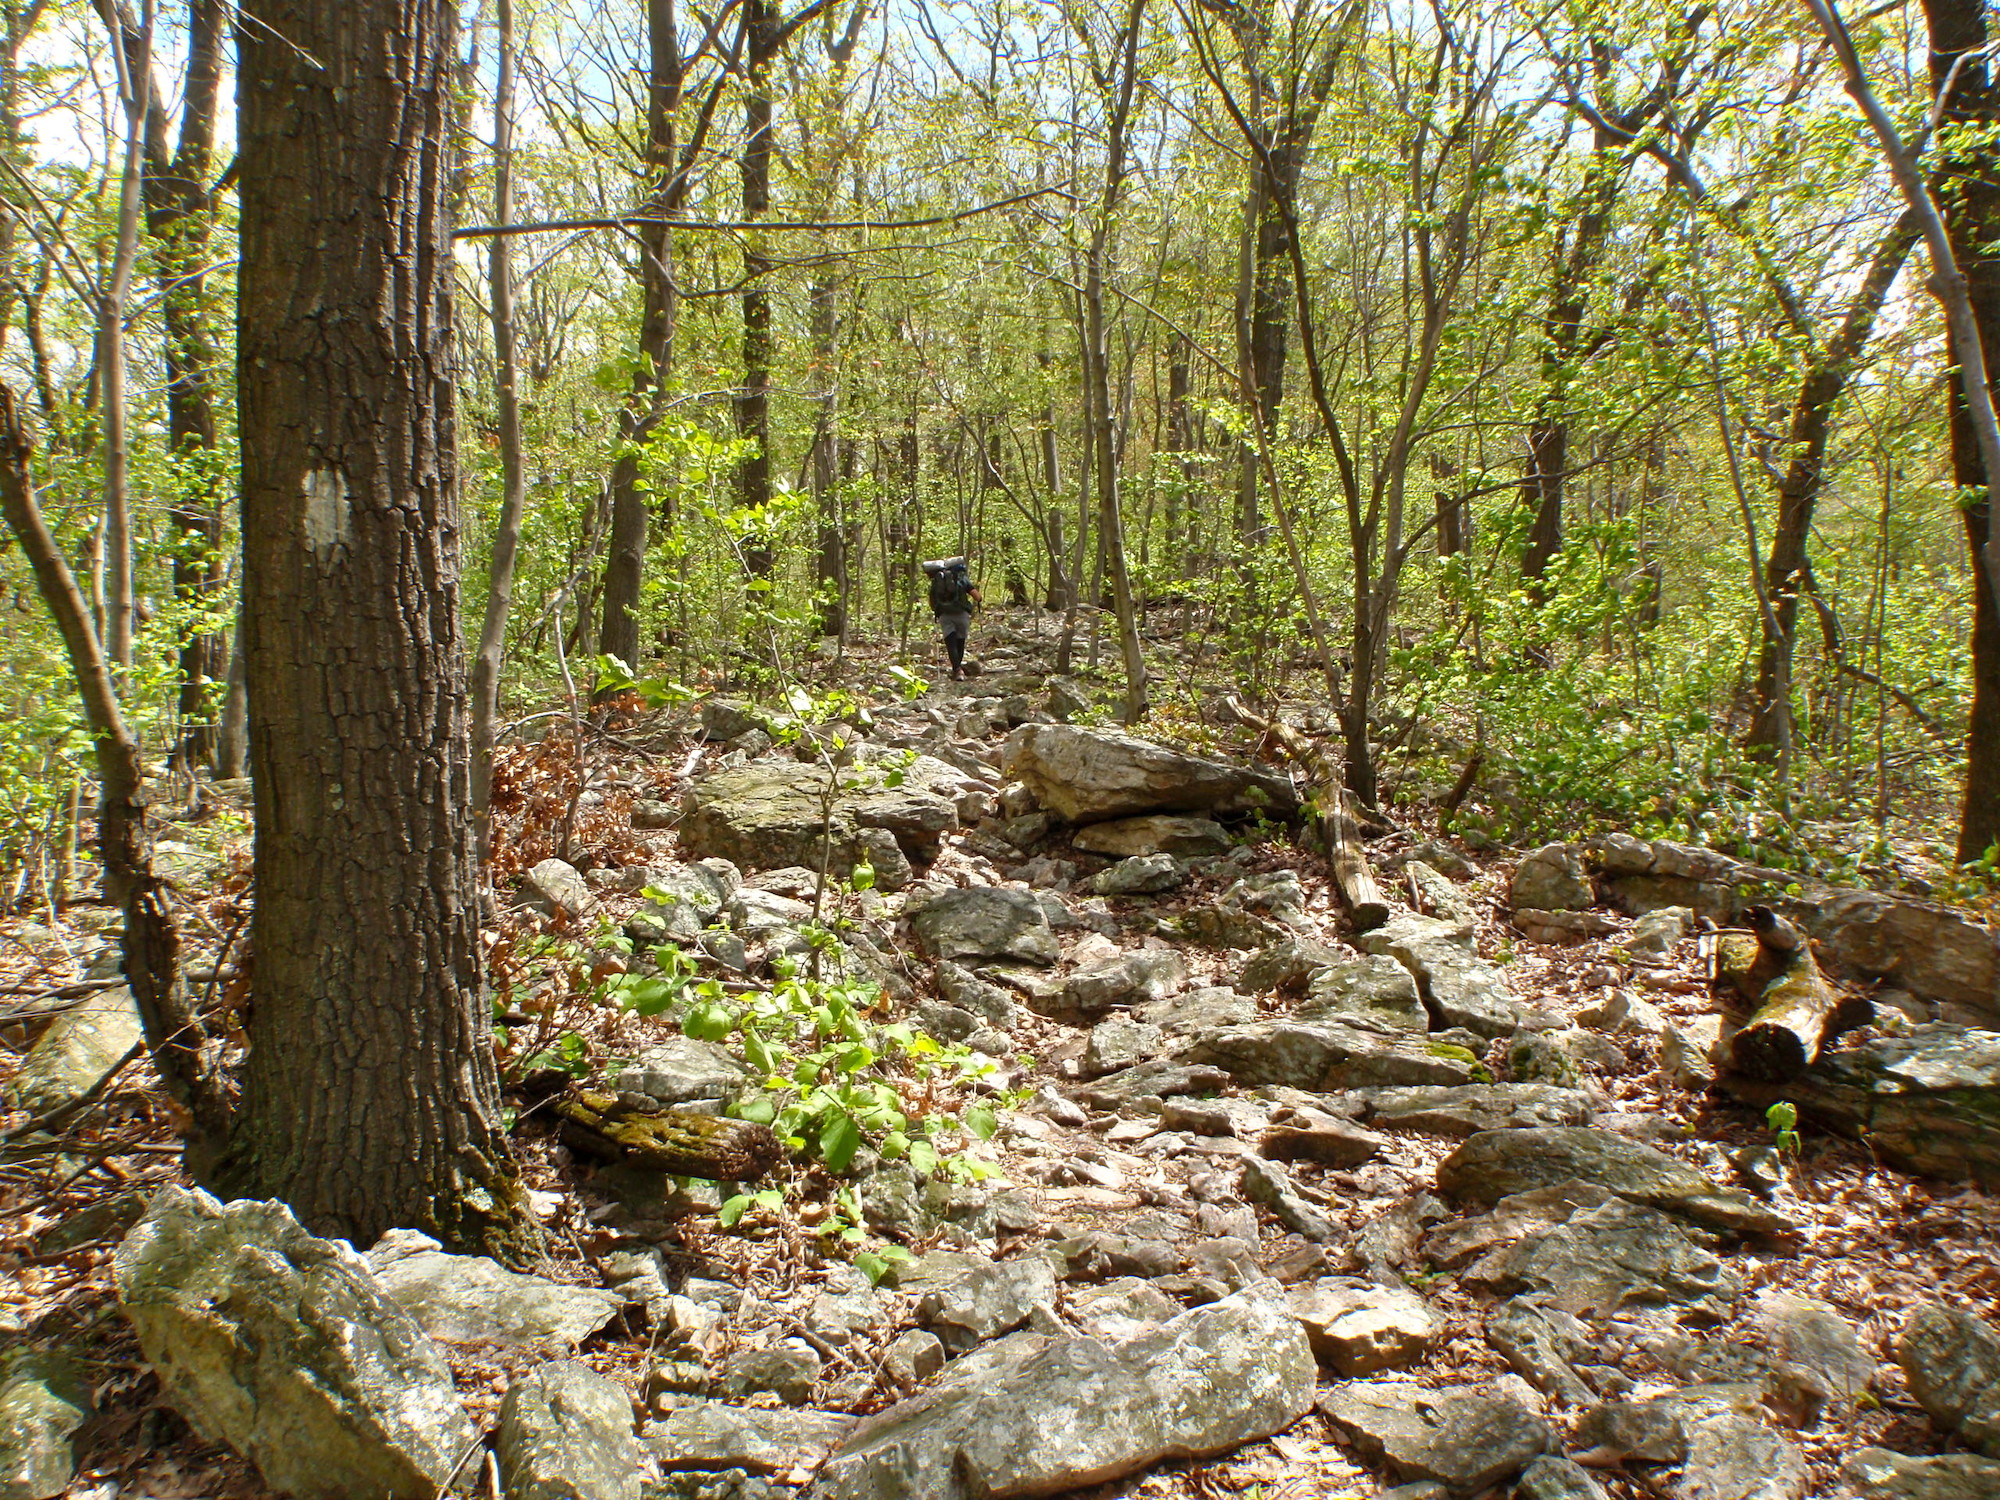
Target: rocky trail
1158, 1178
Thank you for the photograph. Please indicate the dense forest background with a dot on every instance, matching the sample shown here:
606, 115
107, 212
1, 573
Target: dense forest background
1546, 395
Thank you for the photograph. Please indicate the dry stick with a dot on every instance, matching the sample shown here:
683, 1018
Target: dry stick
152, 945
1947, 283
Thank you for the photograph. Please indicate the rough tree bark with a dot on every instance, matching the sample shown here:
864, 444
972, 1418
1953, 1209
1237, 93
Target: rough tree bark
370, 1099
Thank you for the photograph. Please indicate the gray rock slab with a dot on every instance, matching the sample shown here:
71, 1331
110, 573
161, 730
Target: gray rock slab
1544, 1345
1952, 1362
1142, 875
467, 1299
989, 1301
1603, 1260
986, 923
1471, 1108
1092, 776
1375, 989
1157, 833
566, 1434
1039, 1416
1878, 1474
1463, 1437
1742, 1458
284, 1346
1120, 1043
557, 886
1136, 978
1660, 1430
1537, 1211
1553, 878
682, 1069
1325, 1056
44, 1398
1160, 1079
1811, 1335
1495, 1163
1359, 1328
773, 813
1553, 1478
1457, 988
1287, 965
78, 1048
788, 1371
1268, 1183
708, 1435
1202, 1009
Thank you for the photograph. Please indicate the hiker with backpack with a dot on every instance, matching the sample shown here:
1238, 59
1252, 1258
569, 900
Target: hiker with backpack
953, 597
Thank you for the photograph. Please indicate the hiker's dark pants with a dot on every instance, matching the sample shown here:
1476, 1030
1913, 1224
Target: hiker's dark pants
956, 628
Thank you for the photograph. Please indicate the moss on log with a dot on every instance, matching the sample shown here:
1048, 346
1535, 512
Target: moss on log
687, 1145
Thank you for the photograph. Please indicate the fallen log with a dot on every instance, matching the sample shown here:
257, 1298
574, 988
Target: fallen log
602, 1127
1328, 814
1797, 1011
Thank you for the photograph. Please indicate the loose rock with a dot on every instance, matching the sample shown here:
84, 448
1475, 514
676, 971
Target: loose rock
707, 1435
1143, 875
566, 1434
1032, 1416
1090, 776
1952, 1362
1465, 1437
986, 923
1126, 838
1361, 1329
1878, 1474
44, 1398
1457, 988
466, 1299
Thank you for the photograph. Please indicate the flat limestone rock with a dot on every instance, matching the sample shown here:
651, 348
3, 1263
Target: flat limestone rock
1092, 776
1514, 1217
1157, 833
1600, 1261
1553, 878
1457, 987
1327, 1056
468, 1299
566, 1434
1131, 979
1741, 1458
1495, 1163
1952, 1362
1039, 1417
682, 1069
1374, 989
1878, 1474
986, 923
284, 1346
707, 1435
1474, 1107
1463, 1437
773, 813
990, 1300
79, 1047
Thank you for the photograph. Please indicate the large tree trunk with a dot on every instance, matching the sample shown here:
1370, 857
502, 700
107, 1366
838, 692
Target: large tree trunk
1787, 570
625, 566
370, 1100
1969, 193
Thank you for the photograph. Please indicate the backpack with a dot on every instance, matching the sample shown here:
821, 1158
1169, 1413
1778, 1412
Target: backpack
951, 591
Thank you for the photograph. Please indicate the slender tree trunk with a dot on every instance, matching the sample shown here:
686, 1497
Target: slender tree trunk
831, 569
1787, 570
487, 660
753, 398
370, 1099
118, 600
625, 564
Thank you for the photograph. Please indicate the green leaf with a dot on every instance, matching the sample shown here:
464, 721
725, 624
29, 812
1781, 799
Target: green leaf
923, 1158
709, 1022
980, 1120
838, 1142
761, 1110
732, 1210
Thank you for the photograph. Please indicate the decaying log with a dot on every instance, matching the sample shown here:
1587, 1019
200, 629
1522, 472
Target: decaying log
676, 1141
1329, 816
1797, 1010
